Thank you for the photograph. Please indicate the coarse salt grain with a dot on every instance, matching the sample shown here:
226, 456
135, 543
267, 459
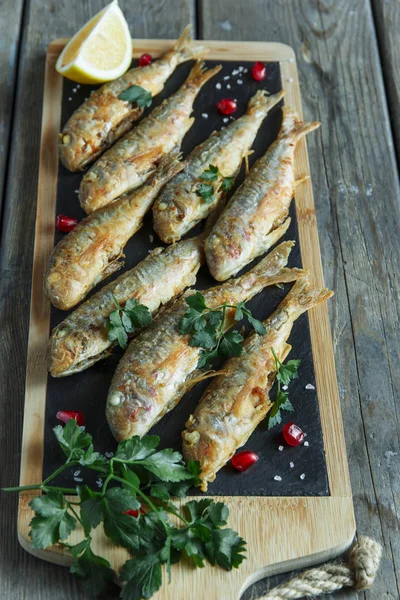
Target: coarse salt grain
218, 86
241, 69
69, 99
278, 478
280, 448
227, 77
78, 86
306, 444
74, 90
78, 479
245, 70
76, 191
291, 465
99, 482
310, 386
204, 115
151, 238
235, 72
78, 472
225, 120
240, 81
302, 476
109, 454
228, 87
284, 387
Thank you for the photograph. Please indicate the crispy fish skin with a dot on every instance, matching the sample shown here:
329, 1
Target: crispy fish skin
82, 339
92, 251
180, 206
129, 162
256, 215
238, 400
160, 366
103, 117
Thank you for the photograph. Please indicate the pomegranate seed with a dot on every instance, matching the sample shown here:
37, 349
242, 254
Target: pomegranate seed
243, 460
66, 224
66, 415
134, 513
293, 434
145, 59
226, 106
259, 71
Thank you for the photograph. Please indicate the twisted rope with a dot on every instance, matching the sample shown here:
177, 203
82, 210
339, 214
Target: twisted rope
359, 572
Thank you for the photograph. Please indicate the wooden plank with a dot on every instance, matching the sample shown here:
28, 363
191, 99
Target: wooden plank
21, 574
357, 196
284, 514
387, 23
10, 26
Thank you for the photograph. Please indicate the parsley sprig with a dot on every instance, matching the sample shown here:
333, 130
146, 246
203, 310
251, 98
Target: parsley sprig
207, 190
148, 478
284, 375
207, 328
125, 320
136, 95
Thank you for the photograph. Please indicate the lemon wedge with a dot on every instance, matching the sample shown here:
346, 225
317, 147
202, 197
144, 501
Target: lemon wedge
100, 51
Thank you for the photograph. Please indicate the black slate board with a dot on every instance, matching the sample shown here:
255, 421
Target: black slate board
87, 391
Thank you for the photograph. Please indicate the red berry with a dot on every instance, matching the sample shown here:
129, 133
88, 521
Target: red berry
259, 71
243, 460
226, 106
293, 434
145, 59
66, 415
64, 223
134, 513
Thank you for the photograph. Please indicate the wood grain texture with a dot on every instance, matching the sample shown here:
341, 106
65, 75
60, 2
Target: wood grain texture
11, 12
387, 24
21, 575
259, 520
357, 197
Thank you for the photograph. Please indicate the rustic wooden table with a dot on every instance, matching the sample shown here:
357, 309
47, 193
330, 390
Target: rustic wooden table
350, 76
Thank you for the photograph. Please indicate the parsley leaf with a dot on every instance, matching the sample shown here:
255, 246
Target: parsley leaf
231, 344
136, 95
227, 183
210, 174
51, 522
282, 402
142, 577
136, 448
167, 465
121, 528
226, 549
284, 375
72, 439
95, 572
126, 320
197, 302
206, 191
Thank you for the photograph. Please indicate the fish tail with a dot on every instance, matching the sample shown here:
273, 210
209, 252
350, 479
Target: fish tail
260, 104
272, 269
304, 296
186, 49
293, 126
169, 166
199, 75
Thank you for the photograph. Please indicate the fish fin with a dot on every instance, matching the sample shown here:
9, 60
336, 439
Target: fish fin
150, 156
294, 126
113, 266
262, 103
303, 296
186, 49
271, 269
300, 180
169, 166
274, 236
197, 376
286, 348
199, 75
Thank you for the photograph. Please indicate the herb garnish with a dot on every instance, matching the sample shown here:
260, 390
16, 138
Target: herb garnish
207, 190
126, 320
136, 95
284, 375
149, 477
206, 326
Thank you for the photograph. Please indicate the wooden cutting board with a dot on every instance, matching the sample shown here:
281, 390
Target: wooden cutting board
284, 530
